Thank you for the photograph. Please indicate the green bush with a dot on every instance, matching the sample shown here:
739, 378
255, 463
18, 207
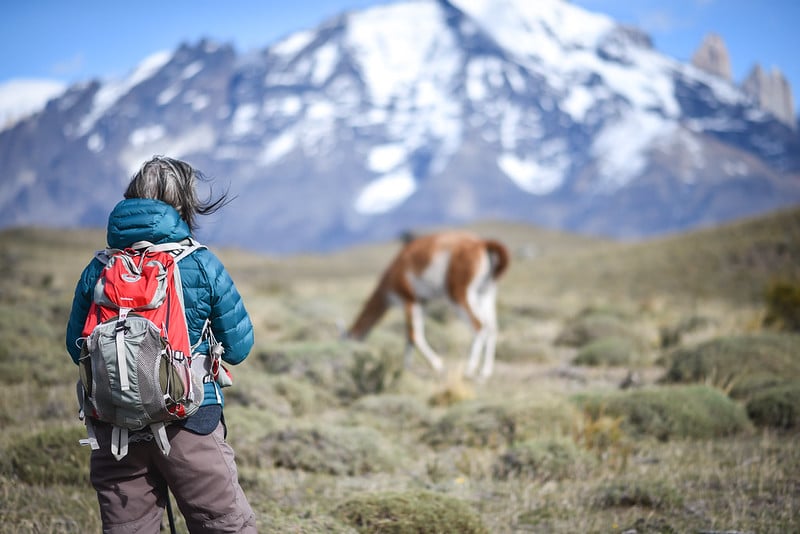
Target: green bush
494, 424
670, 412
544, 459
672, 335
32, 345
783, 306
608, 351
474, 424
777, 407
629, 492
416, 512
740, 365
52, 456
392, 411
588, 327
347, 369
332, 450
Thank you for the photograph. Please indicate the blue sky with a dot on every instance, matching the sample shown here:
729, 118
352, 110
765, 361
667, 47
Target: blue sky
78, 40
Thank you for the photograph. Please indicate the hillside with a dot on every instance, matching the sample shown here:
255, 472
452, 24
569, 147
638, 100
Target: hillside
584, 426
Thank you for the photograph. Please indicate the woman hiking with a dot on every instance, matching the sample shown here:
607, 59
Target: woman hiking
161, 205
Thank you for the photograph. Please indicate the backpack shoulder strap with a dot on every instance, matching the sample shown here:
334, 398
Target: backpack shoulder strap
179, 249
104, 255
188, 245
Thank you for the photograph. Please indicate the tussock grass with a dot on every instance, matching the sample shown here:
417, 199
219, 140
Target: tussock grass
632, 491
783, 305
349, 370
777, 406
591, 325
392, 412
328, 449
51, 456
543, 459
494, 423
740, 365
610, 351
409, 513
670, 412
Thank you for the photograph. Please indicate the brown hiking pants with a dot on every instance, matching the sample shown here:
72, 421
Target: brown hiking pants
201, 474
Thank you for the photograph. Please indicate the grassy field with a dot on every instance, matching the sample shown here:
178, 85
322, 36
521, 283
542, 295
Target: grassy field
637, 388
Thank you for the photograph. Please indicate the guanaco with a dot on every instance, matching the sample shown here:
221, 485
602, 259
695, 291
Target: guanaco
456, 265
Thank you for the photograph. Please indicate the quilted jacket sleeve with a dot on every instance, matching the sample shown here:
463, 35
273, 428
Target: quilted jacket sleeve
230, 321
80, 307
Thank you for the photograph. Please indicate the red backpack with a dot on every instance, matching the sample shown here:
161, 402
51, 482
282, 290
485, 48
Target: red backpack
135, 362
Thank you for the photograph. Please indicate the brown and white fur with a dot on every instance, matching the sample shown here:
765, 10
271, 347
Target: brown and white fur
459, 266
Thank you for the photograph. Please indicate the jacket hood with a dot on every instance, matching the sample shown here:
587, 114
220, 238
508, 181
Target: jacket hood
144, 219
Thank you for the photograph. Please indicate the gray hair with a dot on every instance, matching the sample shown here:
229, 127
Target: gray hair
173, 181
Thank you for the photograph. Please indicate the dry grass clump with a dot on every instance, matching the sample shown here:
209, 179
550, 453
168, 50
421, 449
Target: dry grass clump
348, 370
328, 449
32, 346
50, 508
281, 395
593, 324
473, 424
783, 305
414, 512
670, 412
392, 411
740, 365
610, 351
544, 459
630, 491
52, 456
496, 423
455, 389
673, 335
777, 407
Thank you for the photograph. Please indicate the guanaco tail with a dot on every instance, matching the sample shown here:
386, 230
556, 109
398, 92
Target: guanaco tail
456, 265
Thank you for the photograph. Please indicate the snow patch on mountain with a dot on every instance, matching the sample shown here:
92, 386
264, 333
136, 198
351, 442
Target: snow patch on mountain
385, 193
110, 92
21, 98
622, 148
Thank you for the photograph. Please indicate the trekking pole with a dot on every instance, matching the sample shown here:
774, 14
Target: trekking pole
170, 515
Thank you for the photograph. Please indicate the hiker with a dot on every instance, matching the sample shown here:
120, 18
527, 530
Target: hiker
161, 205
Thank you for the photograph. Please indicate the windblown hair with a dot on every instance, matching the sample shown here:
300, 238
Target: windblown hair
173, 181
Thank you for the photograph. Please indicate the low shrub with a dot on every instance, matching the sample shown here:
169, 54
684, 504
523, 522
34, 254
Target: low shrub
393, 411
332, 450
544, 459
672, 335
52, 456
474, 424
494, 424
347, 369
777, 407
414, 512
609, 351
783, 305
629, 492
670, 412
592, 325
740, 365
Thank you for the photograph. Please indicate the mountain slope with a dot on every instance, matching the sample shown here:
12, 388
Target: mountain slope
417, 113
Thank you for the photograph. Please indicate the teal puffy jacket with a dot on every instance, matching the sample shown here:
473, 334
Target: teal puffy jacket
208, 290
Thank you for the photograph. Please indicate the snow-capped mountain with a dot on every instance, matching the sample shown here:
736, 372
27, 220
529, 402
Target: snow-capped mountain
417, 113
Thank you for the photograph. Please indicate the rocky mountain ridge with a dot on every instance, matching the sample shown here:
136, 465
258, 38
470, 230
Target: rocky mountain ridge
771, 90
